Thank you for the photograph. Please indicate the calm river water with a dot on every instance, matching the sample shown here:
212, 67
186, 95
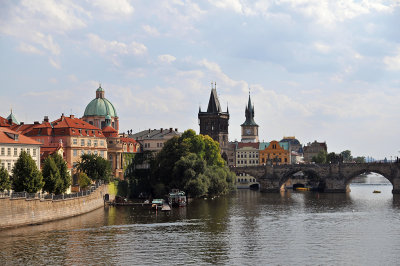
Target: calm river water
247, 228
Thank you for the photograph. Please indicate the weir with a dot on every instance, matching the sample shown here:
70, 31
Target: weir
331, 178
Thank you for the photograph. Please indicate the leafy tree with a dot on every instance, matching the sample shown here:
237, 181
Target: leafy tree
96, 167
64, 173
320, 157
83, 180
347, 156
26, 176
51, 176
359, 159
5, 183
139, 174
333, 158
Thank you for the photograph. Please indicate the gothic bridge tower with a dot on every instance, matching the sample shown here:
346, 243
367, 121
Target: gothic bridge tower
249, 127
214, 122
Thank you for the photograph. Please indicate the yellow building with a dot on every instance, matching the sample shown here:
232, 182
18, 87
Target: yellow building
274, 152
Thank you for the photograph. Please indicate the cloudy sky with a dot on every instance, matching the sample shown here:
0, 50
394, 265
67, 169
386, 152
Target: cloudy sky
318, 69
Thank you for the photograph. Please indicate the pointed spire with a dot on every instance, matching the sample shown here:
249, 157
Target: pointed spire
227, 108
249, 113
213, 103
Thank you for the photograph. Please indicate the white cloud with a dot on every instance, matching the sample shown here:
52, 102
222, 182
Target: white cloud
27, 48
321, 47
166, 58
104, 46
152, 31
112, 9
393, 62
54, 63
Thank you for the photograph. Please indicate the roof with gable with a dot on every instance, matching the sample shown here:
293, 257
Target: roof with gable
254, 145
4, 122
109, 131
10, 136
264, 145
151, 134
75, 127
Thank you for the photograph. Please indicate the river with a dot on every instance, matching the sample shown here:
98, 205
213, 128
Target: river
247, 228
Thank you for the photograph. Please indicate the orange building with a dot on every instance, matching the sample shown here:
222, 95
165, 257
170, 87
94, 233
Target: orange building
274, 152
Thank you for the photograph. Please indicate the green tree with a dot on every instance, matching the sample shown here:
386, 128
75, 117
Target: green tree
26, 176
96, 167
347, 156
51, 176
359, 159
83, 180
139, 174
64, 173
320, 157
5, 183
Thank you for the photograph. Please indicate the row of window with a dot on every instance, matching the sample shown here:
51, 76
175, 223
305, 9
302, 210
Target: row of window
159, 145
89, 142
243, 180
14, 151
245, 155
9, 165
82, 152
247, 162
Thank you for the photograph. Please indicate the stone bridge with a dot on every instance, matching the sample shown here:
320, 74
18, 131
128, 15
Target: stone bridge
327, 177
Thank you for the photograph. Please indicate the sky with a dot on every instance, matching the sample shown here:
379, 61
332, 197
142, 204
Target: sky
317, 69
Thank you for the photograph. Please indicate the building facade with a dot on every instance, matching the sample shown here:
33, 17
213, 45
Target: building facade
274, 152
249, 127
154, 139
215, 123
12, 144
312, 149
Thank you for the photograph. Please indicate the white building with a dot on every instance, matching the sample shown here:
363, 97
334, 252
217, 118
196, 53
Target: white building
11, 145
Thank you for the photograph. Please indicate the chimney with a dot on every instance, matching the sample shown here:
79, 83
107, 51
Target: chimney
72, 116
170, 129
62, 117
161, 130
176, 129
149, 130
21, 123
46, 118
36, 123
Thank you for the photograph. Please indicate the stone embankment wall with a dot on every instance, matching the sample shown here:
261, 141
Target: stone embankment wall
22, 211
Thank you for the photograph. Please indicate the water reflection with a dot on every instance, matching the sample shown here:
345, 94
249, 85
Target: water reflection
245, 228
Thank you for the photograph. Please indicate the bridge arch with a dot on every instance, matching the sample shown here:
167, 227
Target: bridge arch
311, 175
353, 175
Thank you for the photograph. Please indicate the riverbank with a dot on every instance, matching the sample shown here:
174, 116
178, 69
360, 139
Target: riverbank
22, 211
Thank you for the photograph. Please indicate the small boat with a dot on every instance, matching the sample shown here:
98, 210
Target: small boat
376, 191
177, 198
157, 204
302, 188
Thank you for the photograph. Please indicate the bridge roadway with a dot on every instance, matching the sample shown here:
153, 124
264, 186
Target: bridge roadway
328, 177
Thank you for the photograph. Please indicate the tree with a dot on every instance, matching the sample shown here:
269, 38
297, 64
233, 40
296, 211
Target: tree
96, 167
5, 183
346, 156
359, 159
320, 157
83, 180
51, 176
64, 173
26, 176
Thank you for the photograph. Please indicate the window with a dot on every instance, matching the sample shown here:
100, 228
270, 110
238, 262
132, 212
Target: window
82, 152
95, 143
9, 166
75, 152
34, 152
102, 154
9, 151
82, 142
2, 151
75, 141
102, 143
15, 152
95, 152
28, 151
89, 142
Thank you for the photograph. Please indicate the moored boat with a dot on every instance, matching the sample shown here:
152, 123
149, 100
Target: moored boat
177, 198
376, 191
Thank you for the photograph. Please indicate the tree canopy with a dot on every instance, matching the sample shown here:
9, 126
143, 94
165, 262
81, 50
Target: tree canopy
55, 174
96, 167
192, 163
5, 183
26, 176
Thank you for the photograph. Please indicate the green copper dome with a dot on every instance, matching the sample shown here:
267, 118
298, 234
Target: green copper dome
100, 106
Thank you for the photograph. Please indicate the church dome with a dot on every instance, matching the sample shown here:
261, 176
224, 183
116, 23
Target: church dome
100, 106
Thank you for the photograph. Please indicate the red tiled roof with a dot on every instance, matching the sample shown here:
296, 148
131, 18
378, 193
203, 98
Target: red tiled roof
7, 136
128, 140
248, 144
109, 131
4, 122
72, 126
24, 128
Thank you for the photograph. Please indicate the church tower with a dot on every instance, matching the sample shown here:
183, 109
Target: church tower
249, 127
214, 122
